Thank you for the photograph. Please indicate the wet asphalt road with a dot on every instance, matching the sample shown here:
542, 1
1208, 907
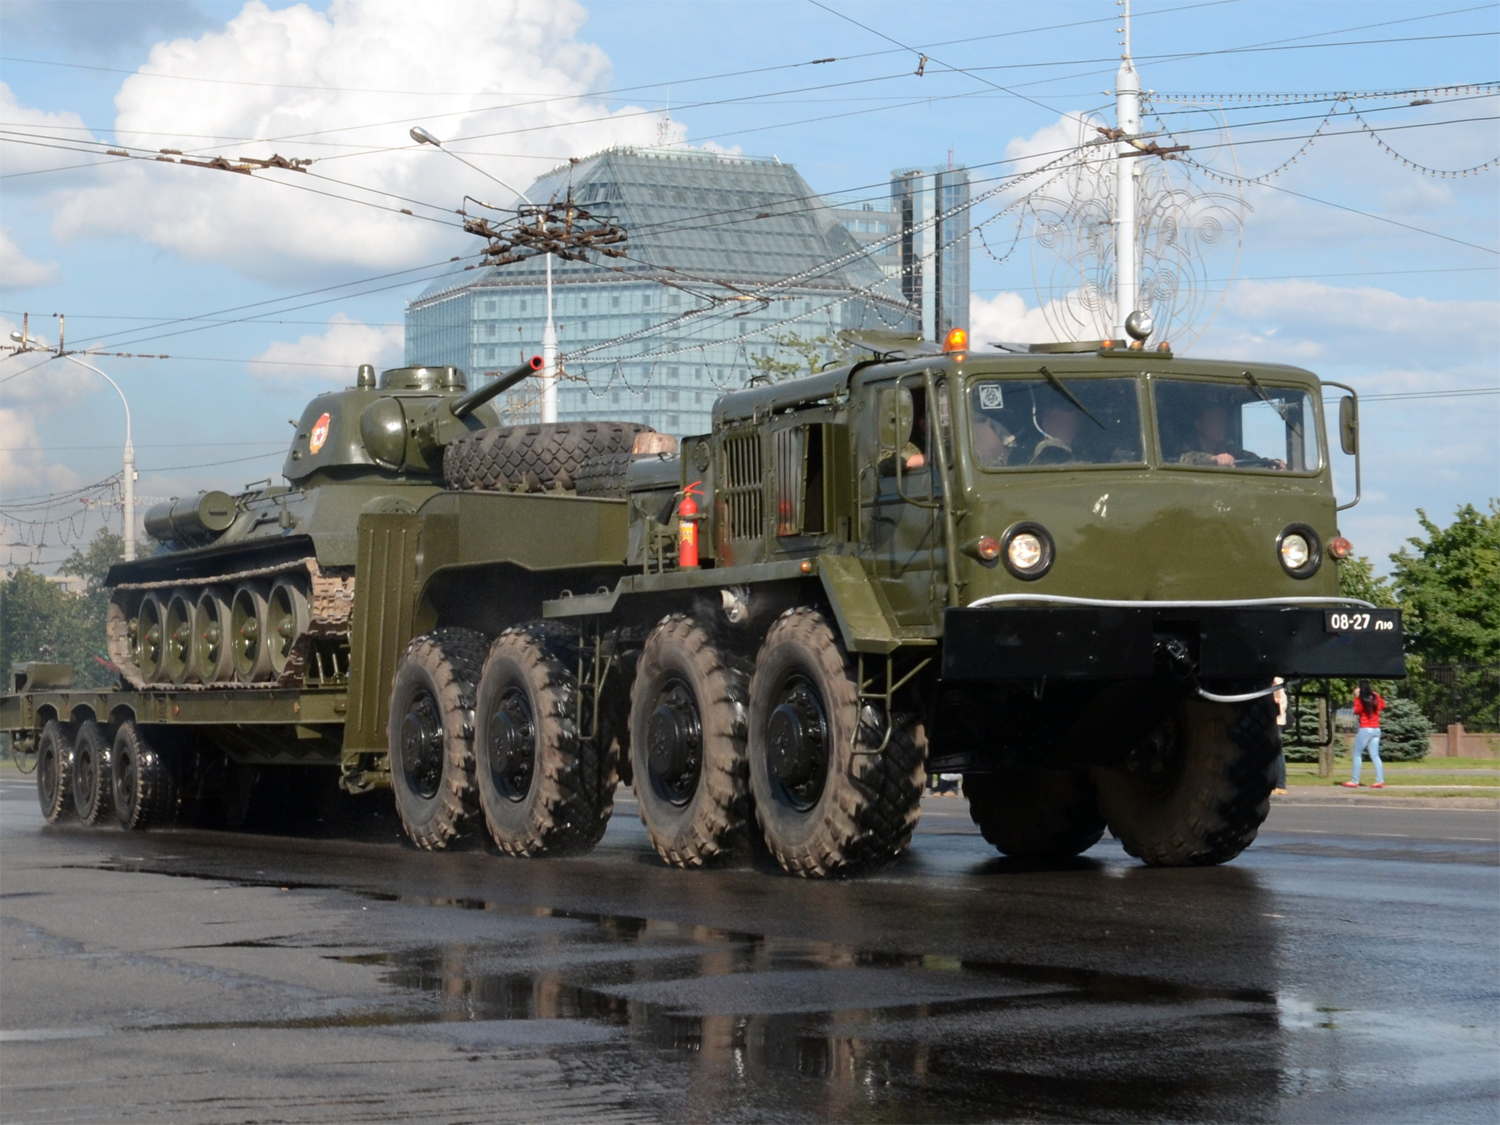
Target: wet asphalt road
1344, 969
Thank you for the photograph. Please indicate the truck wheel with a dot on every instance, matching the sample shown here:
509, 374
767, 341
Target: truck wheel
92, 780
431, 734
1198, 791
142, 784
823, 808
536, 456
1035, 814
544, 790
687, 745
54, 770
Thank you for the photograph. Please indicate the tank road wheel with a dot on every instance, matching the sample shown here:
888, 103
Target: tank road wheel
142, 784
151, 638
54, 770
825, 809
287, 619
544, 789
247, 628
92, 781
1035, 814
431, 735
1199, 789
177, 638
213, 657
687, 739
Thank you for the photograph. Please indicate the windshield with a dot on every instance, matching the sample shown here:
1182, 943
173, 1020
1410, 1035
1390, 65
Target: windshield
1025, 423
1250, 426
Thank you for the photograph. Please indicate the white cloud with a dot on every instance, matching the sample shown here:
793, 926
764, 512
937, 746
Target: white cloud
346, 344
23, 464
1309, 321
17, 271
50, 129
339, 87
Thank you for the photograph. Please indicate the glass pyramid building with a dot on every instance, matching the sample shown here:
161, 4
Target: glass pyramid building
728, 257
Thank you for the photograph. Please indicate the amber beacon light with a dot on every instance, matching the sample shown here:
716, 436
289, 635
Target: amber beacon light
957, 341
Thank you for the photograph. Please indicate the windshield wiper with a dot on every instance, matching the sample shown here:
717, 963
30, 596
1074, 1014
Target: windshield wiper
1279, 407
1056, 384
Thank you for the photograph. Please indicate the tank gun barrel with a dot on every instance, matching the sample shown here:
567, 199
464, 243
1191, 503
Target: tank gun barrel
481, 395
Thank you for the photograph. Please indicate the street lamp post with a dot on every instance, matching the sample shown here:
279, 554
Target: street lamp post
128, 461
549, 331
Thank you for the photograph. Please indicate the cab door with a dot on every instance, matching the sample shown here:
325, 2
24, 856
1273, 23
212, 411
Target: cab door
900, 496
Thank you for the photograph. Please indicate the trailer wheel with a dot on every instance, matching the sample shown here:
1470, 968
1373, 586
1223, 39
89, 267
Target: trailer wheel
431, 734
54, 770
1198, 790
1035, 814
687, 745
544, 789
143, 786
825, 805
92, 780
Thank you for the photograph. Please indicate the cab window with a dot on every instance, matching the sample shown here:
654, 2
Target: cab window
1034, 423
1249, 426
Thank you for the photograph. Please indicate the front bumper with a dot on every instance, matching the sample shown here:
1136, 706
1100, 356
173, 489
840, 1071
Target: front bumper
1224, 642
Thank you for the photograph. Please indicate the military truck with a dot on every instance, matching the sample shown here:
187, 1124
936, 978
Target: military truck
1075, 574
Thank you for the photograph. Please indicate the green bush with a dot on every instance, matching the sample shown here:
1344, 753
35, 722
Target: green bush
1403, 732
1299, 738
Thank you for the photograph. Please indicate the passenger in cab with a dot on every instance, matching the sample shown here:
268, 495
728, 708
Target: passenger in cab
1059, 426
1215, 448
993, 443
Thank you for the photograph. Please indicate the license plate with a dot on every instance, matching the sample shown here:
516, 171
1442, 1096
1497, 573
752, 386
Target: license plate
1361, 620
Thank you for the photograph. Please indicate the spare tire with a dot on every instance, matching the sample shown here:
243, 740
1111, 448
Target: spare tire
533, 458
604, 475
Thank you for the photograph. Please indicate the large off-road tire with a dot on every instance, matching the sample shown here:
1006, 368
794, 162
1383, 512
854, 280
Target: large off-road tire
687, 744
544, 789
605, 474
1201, 786
431, 733
54, 770
532, 458
143, 785
826, 803
93, 782
1035, 814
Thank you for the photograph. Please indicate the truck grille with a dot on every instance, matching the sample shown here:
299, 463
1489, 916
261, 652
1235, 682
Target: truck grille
743, 489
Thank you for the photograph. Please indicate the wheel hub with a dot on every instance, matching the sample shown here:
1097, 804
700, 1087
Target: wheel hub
674, 743
797, 743
512, 746
422, 746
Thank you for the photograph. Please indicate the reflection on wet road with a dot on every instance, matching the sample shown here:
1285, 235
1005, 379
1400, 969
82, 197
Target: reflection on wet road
1343, 969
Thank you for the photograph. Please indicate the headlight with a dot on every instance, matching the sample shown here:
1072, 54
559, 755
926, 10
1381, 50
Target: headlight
1300, 550
1027, 550
1295, 552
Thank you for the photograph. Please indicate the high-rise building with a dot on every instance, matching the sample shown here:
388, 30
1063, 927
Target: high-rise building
933, 206
727, 255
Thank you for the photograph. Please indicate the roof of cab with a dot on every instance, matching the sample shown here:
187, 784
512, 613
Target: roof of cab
826, 386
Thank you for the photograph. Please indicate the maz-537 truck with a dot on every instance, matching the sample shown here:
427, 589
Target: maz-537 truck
1073, 573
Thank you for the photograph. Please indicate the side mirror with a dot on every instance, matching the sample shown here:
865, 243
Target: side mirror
1349, 425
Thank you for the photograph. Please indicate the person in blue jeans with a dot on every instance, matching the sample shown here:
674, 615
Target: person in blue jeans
1367, 708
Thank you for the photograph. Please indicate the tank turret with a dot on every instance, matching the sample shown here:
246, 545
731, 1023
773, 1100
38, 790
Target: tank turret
396, 426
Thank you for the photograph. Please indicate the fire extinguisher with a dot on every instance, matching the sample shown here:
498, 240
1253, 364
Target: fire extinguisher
687, 526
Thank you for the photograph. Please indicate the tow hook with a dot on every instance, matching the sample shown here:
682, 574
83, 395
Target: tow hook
1179, 658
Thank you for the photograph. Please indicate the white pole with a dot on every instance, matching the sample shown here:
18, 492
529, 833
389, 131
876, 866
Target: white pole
1128, 121
127, 462
549, 357
127, 530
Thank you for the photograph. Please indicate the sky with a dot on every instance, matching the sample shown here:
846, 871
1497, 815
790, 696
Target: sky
1351, 255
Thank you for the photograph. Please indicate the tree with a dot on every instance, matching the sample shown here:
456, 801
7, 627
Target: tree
796, 355
1403, 732
40, 621
1449, 588
1448, 584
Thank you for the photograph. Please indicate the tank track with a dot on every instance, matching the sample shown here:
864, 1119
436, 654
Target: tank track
330, 604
